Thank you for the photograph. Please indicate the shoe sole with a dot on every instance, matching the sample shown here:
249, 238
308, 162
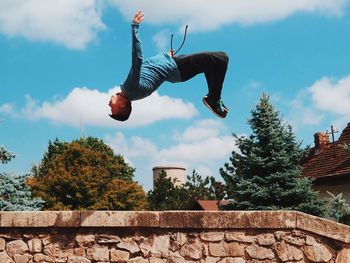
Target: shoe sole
225, 109
208, 106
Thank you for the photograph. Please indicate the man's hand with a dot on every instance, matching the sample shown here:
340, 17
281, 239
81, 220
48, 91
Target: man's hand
138, 18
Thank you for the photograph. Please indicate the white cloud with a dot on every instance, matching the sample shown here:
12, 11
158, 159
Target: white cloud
73, 24
191, 148
161, 39
90, 107
7, 108
328, 99
332, 95
202, 130
208, 14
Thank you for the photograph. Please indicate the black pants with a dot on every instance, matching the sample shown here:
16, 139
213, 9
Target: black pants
212, 64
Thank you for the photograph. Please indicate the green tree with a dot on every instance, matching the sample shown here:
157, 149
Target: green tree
78, 175
5, 156
167, 196
123, 195
15, 195
265, 174
338, 208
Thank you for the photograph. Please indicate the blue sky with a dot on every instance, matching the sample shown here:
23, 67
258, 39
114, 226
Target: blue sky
61, 62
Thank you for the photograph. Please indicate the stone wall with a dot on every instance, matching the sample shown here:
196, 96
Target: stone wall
110, 236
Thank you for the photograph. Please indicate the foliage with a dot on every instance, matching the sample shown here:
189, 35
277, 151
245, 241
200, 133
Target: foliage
80, 175
265, 173
338, 208
122, 195
5, 156
346, 147
15, 195
167, 196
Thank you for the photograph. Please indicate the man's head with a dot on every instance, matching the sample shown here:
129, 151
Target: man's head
120, 107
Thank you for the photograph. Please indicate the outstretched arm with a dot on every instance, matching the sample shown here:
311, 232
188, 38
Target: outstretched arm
137, 54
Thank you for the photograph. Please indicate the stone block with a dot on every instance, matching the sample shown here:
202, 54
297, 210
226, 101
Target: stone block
68, 219
343, 256
78, 259
226, 249
35, 245
39, 257
2, 244
129, 245
232, 260
108, 239
119, 219
85, 239
265, 239
323, 227
212, 236
258, 252
192, 250
287, 252
100, 254
318, 253
228, 219
22, 258
119, 255
5, 258
138, 260
16, 247
40, 219
157, 260
238, 237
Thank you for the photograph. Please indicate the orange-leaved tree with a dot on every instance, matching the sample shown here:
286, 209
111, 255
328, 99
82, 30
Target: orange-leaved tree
80, 174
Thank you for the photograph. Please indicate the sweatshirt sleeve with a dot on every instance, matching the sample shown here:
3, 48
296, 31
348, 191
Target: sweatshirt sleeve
137, 54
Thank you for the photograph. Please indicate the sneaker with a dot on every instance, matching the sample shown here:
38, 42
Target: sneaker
218, 108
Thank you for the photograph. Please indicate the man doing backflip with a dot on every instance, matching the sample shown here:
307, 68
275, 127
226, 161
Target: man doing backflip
146, 75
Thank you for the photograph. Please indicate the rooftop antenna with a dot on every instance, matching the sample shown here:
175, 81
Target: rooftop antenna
82, 133
332, 133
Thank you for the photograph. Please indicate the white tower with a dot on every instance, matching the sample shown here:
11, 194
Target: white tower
172, 171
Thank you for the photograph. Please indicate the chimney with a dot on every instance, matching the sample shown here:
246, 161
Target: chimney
321, 140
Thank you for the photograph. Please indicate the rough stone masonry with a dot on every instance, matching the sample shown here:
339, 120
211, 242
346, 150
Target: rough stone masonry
182, 236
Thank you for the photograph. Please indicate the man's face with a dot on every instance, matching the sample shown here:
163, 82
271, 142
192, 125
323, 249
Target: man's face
113, 104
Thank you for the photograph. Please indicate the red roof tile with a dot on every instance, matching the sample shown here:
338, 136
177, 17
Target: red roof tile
210, 205
332, 160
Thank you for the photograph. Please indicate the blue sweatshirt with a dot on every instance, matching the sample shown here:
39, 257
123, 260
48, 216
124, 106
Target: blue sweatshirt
146, 75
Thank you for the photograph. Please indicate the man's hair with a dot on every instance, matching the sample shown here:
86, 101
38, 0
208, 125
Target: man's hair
123, 106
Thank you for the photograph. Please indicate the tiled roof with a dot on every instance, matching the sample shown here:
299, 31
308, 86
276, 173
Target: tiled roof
332, 160
210, 205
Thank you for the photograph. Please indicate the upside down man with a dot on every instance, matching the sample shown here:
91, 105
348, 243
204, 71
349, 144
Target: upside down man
146, 75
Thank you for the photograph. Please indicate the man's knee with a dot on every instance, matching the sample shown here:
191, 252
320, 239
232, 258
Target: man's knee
224, 57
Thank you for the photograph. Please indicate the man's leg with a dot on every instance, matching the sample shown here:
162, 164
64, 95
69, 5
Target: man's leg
214, 66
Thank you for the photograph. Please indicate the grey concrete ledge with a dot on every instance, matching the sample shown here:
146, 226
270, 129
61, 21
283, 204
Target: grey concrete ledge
177, 219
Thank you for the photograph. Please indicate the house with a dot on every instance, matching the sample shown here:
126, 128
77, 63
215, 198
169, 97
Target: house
329, 164
208, 205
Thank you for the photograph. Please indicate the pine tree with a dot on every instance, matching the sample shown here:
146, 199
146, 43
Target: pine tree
5, 156
265, 174
15, 195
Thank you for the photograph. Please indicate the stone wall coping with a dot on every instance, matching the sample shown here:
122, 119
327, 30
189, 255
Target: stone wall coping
177, 220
